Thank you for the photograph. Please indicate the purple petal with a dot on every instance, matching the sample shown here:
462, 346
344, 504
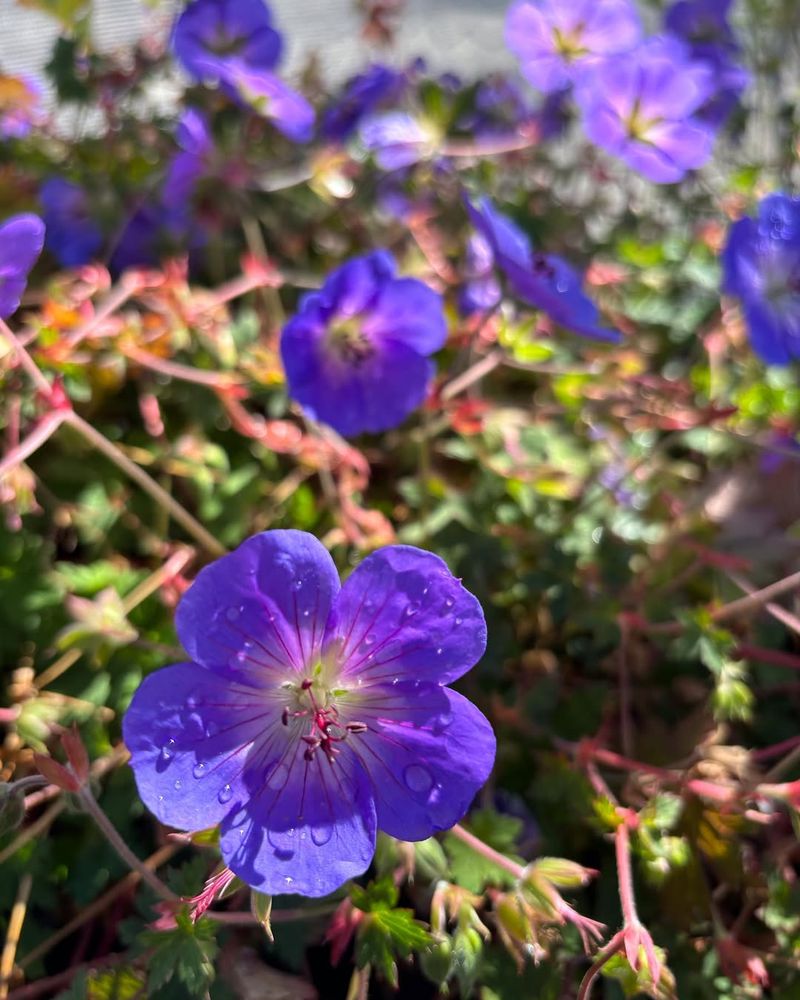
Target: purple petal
259, 613
505, 238
409, 311
354, 287
189, 733
402, 614
428, 751
21, 242
306, 827
267, 94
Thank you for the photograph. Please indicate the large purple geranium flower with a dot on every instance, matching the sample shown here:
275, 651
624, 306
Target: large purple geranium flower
761, 265
312, 714
212, 36
362, 94
545, 281
21, 242
356, 353
554, 39
643, 109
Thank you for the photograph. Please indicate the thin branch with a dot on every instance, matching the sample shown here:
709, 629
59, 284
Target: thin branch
488, 852
49, 423
13, 932
612, 948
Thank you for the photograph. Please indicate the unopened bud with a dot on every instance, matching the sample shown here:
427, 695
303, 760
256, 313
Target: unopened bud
12, 807
261, 908
437, 961
561, 872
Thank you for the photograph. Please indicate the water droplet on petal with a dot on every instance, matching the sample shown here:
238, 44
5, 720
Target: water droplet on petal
449, 602
369, 639
168, 750
225, 794
277, 775
306, 613
199, 769
177, 784
439, 651
288, 879
395, 680
297, 585
321, 834
232, 614
418, 778
459, 621
412, 609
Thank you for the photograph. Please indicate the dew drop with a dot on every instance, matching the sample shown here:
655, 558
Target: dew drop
439, 651
418, 778
297, 585
395, 680
225, 794
459, 621
321, 834
199, 769
288, 879
168, 750
277, 775
177, 784
232, 614
369, 639
412, 609
368, 604
306, 613
449, 602
282, 840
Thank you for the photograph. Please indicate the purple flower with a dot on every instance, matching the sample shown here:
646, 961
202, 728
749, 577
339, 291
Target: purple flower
268, 95
761, 266
312, 714
703, 26
190, 163
356, 353
362, 94
397, 139
20, 105
213, 36
643, 109
481, 290
545, 281
21, 242
554, 40
72, 235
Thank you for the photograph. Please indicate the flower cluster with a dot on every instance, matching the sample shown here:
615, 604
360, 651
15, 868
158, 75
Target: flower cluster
761, 263
311, 714
545, 281
652, 102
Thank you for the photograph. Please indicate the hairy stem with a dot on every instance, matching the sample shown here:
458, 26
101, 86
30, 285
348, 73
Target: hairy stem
488, 852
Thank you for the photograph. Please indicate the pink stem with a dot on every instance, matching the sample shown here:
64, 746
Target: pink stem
488, 852
46, 426
26, 360
614, 945
622, 842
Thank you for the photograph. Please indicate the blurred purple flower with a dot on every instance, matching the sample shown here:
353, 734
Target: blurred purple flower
212, 37
312, 714
545, 281
643, 109
190, 163
21, 242
362, 95
356, 353
761, 266
20, 105
73, 237
703, 26
397, 139
555, 40
481, 291
269, 96
140, 242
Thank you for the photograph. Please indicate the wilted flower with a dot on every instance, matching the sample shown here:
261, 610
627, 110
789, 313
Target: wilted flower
72, 235
21, 242
761, 265
643, 109
361, 95
555, 40
544, 281
313, 714
398, 139
213, 37
356, 353
703, 26
20, 105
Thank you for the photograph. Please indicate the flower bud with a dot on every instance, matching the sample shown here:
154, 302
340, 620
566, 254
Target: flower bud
437, 961
561, 872
12, 808
261, 908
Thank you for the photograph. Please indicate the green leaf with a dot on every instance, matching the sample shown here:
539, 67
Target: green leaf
473, 870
